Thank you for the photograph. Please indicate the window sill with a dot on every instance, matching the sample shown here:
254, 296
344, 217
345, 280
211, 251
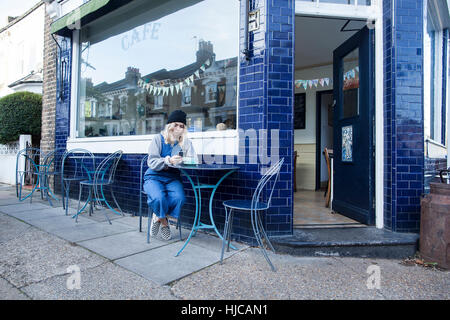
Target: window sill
434, 149
224, 142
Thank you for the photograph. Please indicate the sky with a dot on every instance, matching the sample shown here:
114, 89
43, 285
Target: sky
14, 8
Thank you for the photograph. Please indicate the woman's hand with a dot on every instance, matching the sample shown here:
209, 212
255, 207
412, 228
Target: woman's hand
175, 160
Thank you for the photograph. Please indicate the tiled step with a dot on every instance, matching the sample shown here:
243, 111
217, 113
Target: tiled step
353, 242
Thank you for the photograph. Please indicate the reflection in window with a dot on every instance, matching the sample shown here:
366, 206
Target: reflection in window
133, 76
187, 96
350, 87
211, 91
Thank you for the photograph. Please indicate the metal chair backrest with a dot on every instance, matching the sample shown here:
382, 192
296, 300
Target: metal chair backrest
51, 161
272, 173
106, 170
77, 163
142, 172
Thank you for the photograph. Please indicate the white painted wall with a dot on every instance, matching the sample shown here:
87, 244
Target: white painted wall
21, 49
308, 135
305, 139
8, 158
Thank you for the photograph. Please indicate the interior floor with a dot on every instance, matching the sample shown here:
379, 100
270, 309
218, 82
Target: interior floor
310, 212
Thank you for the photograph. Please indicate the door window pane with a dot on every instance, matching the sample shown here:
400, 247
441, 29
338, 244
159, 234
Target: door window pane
350, 87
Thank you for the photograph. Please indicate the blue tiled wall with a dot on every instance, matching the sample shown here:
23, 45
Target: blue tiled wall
265, 102
403, 114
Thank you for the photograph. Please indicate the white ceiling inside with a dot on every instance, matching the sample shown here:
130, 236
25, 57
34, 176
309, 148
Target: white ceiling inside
316, 38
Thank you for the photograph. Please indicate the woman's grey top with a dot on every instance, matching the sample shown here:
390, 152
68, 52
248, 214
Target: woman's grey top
158, 163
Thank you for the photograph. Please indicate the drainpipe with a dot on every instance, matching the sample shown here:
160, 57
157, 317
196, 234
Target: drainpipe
246, 51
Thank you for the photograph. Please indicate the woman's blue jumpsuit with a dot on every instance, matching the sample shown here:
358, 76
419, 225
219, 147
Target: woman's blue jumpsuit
165, 193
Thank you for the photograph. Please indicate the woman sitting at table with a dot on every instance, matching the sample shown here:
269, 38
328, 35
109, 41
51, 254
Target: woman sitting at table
162, 183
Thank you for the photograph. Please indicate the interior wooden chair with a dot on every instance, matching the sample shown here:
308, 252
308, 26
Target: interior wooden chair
328, 194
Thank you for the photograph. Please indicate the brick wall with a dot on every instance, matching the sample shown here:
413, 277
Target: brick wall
48, 89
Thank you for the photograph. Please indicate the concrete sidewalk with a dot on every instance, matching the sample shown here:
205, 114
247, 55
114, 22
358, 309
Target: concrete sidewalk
40, 247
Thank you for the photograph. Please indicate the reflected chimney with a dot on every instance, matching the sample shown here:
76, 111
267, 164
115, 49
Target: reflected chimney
132, 75
205, 51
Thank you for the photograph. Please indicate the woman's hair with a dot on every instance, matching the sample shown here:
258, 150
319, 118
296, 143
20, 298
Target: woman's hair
167, 134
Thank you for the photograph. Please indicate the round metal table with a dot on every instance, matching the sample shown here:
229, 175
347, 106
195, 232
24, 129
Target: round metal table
189, 171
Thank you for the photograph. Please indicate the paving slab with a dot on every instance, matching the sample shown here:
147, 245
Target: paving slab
133, 221
122, 245
213, 243
54, 224
80, 232
161, 266
9, 200
29, 216
104, 282
99, 215
20, 207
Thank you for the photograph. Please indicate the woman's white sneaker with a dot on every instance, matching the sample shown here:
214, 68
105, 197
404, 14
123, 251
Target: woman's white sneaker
155, 225
165, 232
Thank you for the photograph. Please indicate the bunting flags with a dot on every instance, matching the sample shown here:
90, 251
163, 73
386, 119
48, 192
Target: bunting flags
305, 84
312, 83
166, 87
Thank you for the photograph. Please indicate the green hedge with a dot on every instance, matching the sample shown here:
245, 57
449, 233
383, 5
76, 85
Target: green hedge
20, 113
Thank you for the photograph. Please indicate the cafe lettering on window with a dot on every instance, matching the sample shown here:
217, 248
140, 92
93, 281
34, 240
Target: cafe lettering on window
148, 31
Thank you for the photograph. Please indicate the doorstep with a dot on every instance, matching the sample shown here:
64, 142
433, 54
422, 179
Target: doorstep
361, 242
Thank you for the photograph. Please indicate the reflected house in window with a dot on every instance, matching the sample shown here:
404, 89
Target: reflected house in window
206, 90
112, 108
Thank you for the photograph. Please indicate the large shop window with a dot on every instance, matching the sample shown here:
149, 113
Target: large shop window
434, 86
134, 70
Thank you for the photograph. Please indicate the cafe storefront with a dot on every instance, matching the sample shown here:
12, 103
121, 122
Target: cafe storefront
123, 66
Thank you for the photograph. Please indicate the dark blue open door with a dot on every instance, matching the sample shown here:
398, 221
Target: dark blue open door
353, 144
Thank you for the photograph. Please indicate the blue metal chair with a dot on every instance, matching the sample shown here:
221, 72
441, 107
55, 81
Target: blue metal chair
27, 164
254, 206
76, 165
103, 176
149, 210
50, 166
